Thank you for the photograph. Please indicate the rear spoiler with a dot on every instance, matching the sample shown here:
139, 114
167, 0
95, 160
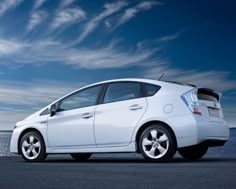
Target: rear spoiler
180, 83
210, 92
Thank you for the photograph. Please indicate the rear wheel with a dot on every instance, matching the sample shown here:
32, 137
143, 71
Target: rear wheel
81, 156
193, 152
157, 144
32, 147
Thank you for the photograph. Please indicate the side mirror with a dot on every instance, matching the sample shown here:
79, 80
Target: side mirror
53, 109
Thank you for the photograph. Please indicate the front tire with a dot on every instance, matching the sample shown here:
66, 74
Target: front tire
157, 144
32, 147
81, 156
193, 152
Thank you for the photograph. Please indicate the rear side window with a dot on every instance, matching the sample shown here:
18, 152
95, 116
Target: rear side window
150, 89
122, 91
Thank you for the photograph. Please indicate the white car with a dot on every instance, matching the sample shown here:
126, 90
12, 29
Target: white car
154, 118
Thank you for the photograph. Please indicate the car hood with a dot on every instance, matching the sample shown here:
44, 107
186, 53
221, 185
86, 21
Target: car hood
32, 118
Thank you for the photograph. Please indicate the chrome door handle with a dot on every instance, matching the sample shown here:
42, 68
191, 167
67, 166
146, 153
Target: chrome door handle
87, 115
135, 107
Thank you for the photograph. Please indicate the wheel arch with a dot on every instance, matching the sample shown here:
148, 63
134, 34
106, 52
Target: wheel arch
26, 131
147, 124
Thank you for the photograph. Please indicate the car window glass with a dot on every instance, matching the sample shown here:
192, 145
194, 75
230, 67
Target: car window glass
151, 89
122, 91
84, 98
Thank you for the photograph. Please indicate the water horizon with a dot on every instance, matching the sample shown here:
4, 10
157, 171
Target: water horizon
228, 150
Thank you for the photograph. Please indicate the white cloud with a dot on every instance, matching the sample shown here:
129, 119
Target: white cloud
33, 93
170, 37
6, 5
132, 12
160, 41
68, 16
56, 52
217, 80
35, 19
110, 8
20, 99
8, 47
38, 4
66, 3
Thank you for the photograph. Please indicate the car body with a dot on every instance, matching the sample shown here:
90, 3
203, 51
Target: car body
151, 117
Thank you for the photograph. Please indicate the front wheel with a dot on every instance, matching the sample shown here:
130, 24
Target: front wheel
81, 156
193, 152
32, 147
157, 144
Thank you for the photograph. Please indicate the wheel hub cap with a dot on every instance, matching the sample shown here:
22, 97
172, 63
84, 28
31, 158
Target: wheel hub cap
31, 147
155, 143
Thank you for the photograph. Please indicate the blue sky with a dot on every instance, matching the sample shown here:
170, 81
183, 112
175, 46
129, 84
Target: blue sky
51, 47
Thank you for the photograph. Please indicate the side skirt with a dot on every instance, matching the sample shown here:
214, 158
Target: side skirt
129, 148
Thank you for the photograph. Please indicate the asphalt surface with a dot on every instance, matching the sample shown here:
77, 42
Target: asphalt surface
64, 172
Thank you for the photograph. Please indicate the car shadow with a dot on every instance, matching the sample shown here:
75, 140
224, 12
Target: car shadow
138, 160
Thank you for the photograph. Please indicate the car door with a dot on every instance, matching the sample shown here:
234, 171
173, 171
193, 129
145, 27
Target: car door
72, 125
122, 107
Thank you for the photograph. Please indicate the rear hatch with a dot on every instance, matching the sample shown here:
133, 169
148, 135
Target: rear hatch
209, 104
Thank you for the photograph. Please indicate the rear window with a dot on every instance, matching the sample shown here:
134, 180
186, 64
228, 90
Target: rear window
150, 89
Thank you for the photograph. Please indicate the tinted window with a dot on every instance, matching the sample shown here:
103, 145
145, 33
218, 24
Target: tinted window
150, 89
44, 112
84, 98
122, 91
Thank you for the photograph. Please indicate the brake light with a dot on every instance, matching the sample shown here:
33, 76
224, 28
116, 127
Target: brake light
191, 100
197, 111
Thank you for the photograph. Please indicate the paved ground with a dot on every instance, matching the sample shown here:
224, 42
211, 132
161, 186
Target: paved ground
63, 172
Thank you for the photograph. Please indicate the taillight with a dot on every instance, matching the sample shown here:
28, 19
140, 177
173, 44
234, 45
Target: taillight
191, 100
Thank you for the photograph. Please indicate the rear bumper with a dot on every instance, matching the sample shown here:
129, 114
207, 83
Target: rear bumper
212, 131
190, 130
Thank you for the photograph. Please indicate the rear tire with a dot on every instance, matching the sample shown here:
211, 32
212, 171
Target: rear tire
157, 144
193, 152
32, 147
81, 156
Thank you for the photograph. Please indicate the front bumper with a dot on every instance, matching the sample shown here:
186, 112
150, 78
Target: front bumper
14, 141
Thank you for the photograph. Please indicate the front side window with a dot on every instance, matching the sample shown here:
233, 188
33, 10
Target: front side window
122, 91
84, 98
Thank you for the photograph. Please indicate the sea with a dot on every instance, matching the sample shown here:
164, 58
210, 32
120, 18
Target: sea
228, 150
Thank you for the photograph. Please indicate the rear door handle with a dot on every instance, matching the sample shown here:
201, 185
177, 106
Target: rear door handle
135, 107
87, 115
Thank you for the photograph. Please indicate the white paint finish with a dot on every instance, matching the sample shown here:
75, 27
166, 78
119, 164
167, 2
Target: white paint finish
115, 122
168, 108
69, 128
128, 148
115, 125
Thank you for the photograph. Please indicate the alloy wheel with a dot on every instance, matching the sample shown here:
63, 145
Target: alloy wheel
155, 143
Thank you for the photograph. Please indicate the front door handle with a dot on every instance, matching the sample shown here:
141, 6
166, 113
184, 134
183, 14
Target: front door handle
135, 107
87, 115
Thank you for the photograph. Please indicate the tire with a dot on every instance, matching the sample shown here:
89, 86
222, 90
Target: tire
157, 144
81, 156
32, 147
193, 152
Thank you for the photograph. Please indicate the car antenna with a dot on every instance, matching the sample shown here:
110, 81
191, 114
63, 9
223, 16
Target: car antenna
161, 77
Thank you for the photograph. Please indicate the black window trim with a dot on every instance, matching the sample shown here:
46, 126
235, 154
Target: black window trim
102, 92
101, 100
145, 92
96, 103
80, 90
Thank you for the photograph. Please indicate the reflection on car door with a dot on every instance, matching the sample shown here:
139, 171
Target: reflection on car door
122, 108
73, 125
